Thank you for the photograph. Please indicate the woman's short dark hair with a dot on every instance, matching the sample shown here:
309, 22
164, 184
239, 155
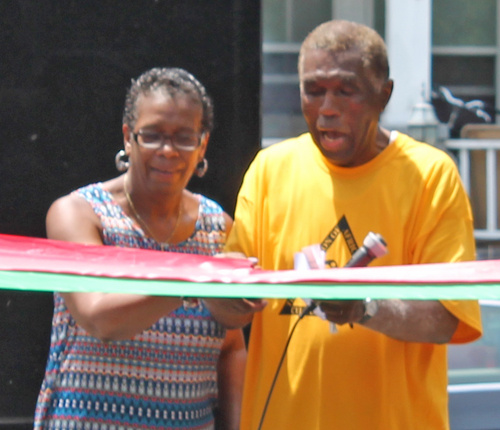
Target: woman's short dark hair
173, 81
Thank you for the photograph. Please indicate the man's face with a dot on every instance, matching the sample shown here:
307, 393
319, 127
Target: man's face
342, 102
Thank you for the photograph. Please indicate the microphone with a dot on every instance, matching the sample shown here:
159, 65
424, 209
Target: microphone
374, 246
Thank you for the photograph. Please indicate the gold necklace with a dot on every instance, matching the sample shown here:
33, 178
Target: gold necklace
144, 224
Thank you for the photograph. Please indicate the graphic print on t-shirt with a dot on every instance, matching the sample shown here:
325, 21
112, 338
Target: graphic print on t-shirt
342, 227
295, 307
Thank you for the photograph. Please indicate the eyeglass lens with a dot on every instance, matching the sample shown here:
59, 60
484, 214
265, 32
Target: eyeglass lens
154, 140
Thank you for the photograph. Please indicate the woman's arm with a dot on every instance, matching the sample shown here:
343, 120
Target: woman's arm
233, 313
230, 377
102, 315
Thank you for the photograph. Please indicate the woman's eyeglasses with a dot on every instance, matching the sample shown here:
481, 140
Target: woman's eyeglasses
184, 141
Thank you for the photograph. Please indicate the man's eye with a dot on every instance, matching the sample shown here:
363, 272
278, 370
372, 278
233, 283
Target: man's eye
315, 91
347, 91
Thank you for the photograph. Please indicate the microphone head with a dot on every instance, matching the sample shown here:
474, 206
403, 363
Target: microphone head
375, 244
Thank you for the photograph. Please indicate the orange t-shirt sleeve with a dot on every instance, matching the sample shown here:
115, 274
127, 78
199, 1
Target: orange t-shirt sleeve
469, 316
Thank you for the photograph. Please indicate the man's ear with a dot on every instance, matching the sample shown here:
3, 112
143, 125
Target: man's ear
126, 139
386, 92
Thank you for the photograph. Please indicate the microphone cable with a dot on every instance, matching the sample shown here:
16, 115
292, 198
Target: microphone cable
308, 309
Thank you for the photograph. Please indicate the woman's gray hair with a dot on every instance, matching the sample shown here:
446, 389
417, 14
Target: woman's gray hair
172, 81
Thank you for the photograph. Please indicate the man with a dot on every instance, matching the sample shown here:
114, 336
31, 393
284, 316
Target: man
331, 186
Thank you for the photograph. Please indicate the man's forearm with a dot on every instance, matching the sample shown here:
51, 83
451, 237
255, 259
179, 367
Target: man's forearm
414, 321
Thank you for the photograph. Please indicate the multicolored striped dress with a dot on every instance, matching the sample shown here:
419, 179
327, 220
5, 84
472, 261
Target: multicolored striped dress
162, 378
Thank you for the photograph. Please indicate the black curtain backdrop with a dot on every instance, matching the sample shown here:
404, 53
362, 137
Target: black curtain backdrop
65, 67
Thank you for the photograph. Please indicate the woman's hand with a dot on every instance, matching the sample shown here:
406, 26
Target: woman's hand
239, 256
234, 313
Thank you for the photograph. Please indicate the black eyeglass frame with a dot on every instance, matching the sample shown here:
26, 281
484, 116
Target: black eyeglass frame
167, 138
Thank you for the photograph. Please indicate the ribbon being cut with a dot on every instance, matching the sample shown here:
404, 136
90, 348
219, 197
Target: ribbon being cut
34, 264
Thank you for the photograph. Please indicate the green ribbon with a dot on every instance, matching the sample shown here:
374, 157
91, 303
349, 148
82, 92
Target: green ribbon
42, 281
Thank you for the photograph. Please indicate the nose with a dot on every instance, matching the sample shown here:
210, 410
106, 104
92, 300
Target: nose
330, 105
167, 147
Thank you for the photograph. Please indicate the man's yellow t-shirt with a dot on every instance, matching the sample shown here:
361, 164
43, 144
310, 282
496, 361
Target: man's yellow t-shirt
356, 379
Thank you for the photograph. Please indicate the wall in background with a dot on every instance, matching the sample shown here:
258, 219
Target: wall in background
64, 72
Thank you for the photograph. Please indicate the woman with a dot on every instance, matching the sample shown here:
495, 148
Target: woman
121, 361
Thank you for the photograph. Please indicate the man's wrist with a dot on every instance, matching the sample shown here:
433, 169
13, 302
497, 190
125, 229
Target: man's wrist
370, 310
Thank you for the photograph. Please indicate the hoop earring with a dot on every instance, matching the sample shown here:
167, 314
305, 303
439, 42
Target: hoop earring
121, 161
201, 168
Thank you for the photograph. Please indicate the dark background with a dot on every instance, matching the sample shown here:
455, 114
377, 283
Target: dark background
64, 70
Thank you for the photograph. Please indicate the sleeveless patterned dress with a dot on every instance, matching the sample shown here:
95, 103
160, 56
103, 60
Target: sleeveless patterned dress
162, 378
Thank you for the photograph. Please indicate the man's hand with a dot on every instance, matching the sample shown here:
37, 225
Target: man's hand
342, 311
406, 320
234, 313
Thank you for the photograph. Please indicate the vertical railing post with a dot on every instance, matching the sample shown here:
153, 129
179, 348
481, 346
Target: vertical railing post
464, 168
491, 190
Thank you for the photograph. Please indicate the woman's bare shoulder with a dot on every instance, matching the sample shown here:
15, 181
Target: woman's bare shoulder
71, 218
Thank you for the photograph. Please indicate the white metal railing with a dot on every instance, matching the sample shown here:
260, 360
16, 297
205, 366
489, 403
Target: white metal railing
490, 146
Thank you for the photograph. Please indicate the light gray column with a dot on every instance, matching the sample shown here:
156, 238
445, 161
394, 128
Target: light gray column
497, 66
408, 37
